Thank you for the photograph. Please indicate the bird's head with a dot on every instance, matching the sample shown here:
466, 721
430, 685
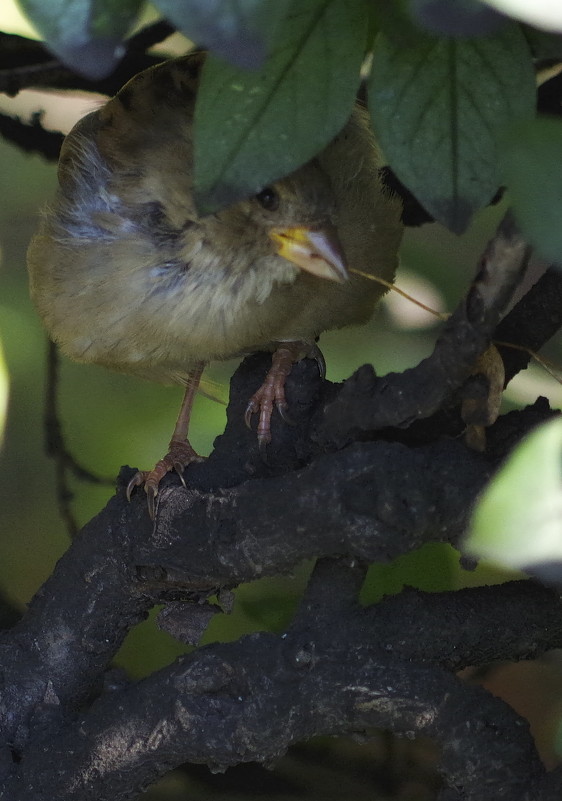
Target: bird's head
291, 221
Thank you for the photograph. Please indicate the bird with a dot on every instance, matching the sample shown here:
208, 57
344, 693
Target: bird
126, 273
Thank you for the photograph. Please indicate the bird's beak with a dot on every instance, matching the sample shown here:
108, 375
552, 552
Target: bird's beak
318, 251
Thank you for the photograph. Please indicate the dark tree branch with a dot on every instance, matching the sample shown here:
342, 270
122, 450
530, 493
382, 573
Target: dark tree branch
103, 586
120, 565
25, 63
397, 400
31, 138
370, 501
345, 577
548, 788
535, 319
249, 700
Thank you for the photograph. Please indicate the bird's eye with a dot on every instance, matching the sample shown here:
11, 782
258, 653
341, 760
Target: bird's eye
268, 198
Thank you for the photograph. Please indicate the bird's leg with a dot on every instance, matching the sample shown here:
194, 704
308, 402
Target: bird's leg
272, 391
180, 452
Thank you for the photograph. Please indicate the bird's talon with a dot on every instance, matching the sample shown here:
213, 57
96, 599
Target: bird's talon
151, 493
250, 411
318, 357
136, 481
179, 468
282, 409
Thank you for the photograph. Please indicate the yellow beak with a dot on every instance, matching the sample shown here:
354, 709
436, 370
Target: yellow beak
318, 251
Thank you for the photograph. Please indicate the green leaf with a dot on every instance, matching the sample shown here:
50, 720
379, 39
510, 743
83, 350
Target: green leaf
395, 21
240, 31
85, 34
533, 173
518, 521
543, 45
252, 128
437, 109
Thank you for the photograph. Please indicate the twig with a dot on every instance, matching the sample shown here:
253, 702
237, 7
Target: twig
26, 63
56, 449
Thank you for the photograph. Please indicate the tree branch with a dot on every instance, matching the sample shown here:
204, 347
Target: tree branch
25, 63
397, 400
371, 501
249, 700
535, 319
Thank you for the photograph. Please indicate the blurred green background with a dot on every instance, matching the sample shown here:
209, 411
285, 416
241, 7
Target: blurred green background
110, 419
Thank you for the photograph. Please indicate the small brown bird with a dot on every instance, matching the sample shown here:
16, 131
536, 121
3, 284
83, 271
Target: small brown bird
125, 273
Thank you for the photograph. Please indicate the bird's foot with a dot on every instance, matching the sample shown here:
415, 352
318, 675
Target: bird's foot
179, 456
272, 392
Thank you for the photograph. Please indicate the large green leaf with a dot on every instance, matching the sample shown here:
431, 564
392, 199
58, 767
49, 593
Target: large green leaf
437, 108
85, 34
544, 45
254, 127
532, 161
240, 31
518, 521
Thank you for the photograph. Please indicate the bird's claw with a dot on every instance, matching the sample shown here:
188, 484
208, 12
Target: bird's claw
318, 357
251, 409
179, 468
180, 455
283, 414
150, 482
151, 491
270, 394
254, 407
137, 481
272, 391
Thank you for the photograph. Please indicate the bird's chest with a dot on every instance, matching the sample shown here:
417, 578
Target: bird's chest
217, 313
